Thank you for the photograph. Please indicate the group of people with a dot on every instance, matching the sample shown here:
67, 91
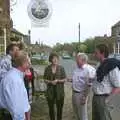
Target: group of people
104, 80
16, 84
16, 91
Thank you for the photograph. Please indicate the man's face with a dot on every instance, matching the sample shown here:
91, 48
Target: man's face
98, 55
79, 61
15, 51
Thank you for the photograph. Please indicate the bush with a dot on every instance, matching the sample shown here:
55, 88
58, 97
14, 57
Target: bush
39, 62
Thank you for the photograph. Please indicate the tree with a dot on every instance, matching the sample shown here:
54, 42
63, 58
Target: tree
83, 48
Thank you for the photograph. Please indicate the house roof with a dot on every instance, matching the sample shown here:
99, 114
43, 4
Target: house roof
117, 24
16, 31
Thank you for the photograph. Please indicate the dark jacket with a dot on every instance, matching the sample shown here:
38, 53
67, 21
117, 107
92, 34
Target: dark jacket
59, 88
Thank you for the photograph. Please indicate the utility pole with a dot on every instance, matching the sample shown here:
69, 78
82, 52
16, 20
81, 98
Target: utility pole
79, 32
78, 46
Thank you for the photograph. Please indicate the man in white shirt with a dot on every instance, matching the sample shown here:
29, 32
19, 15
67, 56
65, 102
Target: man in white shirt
107, 82
81, 82
13, 94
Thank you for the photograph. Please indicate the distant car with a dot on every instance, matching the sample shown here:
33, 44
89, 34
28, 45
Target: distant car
45, 57
36, 57
66, 57
116, 55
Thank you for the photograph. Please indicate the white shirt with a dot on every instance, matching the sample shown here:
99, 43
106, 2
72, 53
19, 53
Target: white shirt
109, 82
13, 94
81, 77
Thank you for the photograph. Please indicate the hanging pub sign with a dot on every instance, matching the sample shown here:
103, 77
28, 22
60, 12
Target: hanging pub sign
39, 12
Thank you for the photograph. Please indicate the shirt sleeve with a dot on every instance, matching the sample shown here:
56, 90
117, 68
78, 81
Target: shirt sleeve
91, 72
114, 77
16, 99
91, 75
5, 66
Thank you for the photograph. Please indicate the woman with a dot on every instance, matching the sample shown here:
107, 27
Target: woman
29, 82
54, 76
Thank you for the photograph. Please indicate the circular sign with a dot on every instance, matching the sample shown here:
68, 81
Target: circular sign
39, 11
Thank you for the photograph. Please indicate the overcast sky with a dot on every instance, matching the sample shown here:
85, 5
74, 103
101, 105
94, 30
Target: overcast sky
95, 16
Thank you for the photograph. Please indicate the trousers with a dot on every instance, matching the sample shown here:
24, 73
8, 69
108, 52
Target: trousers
80, 110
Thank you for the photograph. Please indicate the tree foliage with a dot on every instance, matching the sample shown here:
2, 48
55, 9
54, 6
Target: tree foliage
88, 46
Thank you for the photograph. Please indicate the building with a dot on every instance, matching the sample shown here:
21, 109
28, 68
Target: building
27, 38
116, 36
5, 23
18, 37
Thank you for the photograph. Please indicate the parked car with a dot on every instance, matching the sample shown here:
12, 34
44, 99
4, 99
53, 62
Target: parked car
36, 57
66, 57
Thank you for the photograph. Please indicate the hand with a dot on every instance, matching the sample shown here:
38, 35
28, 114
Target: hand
69, 79
83, 100
54, 82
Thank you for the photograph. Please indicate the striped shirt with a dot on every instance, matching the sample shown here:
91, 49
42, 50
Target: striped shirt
109, 82
5, 65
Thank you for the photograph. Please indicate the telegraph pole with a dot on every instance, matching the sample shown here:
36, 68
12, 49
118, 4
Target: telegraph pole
78, 46
79, 32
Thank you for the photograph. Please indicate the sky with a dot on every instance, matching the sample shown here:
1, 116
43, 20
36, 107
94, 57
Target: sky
96, 17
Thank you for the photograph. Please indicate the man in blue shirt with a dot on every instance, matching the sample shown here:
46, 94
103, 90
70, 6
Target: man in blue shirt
13, 94
5, 66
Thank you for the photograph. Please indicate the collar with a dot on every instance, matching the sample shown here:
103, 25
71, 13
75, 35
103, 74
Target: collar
9, 56
83, 66
19, 72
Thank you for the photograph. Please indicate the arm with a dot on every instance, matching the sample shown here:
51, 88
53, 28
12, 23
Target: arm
5, 66
27, 115
33, 78
46, 77
61, 81
114, 77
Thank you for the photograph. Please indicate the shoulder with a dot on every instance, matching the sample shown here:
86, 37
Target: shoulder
12, 75
90, 67
115, 70
91, 71
4, 59
61, 67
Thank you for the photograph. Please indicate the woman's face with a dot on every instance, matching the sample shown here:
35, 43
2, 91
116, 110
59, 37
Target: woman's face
55, 60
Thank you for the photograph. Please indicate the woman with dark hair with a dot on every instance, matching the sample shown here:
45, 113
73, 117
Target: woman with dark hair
54, 76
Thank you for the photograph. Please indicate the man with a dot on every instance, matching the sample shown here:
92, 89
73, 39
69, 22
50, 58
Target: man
5, 66
13, 96
6, 61
107, 82
81, 82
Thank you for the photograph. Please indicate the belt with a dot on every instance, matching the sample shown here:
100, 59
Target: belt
76, 91
104, 95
